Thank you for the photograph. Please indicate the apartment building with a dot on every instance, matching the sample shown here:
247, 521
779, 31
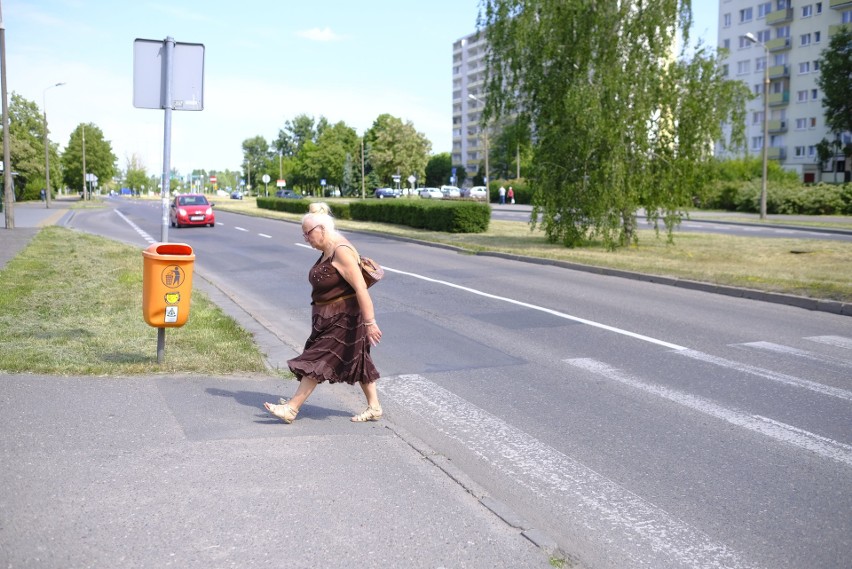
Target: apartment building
469, 140
791, 36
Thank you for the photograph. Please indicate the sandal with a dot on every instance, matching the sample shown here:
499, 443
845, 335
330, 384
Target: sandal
369, 414
283, 412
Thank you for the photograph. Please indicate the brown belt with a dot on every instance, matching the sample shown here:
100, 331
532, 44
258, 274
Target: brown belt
333, 300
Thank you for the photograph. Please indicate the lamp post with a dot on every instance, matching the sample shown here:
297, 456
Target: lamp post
474, 97
750, 37
47, 144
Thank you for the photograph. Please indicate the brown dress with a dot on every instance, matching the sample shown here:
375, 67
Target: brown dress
338, 349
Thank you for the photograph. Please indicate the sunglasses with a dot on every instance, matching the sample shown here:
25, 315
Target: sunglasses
307, 234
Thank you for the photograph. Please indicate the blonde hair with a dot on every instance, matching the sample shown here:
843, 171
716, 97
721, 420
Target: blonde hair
320, 213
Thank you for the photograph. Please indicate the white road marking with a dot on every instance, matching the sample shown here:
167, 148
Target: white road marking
796, 352
265, 235
138, 229
590, 500
541, 309
768, 374
838, 341
241, 229
822, 446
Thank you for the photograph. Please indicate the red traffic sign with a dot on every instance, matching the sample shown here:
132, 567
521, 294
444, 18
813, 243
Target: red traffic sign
212, 179
281, 183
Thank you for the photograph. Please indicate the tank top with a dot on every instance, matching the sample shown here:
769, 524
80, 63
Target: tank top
326, 281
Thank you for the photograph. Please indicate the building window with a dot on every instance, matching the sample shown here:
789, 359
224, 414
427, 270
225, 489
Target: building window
760, 64
818, 7
813, 122
780, 59
725, 70
846, 17
756, 142
816, 65
781, 4
758, 88
802, 96
726, 43
801, 124
764, 35
757, 117
799, 151
726, 20
811, 151
763, 9
817, 37
744, 43
804, 67
814, 94
807, 11
745, 15
805, 39
782, 32
743, 67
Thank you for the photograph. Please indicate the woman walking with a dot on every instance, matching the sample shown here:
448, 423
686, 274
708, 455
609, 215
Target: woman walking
343, 322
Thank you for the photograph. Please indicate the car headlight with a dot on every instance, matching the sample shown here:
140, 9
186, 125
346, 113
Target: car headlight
181, 212
209, 211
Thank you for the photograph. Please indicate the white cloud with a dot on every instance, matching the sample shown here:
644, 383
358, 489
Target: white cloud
316, 34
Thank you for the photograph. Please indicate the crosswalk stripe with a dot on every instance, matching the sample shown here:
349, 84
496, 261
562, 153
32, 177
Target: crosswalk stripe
592, 501
796, 352
823, 446
838, 341
769, 374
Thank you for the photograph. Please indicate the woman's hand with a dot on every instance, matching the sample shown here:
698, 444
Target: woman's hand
374, 334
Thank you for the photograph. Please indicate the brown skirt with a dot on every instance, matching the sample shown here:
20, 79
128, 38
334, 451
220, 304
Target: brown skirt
338, 349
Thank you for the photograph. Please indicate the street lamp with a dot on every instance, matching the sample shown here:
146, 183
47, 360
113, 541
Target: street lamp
47, 144
750, 37
474, 97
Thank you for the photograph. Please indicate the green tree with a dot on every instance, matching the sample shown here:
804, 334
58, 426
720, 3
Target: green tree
100, 159
135, 176
256, 160
619, 123
835, 81
26, 148
439, 169
335, 143
397, 148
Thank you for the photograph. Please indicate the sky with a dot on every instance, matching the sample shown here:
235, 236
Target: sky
265, 62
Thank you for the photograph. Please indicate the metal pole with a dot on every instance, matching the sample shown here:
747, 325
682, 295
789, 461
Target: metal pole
85, 188
363, 182
765, 131
167, 153
8, 210
47, 145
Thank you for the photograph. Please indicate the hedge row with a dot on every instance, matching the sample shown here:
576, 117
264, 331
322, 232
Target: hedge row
447, 216
821, 199
437, 215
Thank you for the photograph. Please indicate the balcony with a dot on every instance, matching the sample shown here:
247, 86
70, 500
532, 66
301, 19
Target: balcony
776, 152
778, 44
779, 71
840, 4
780, 17
777, 126
779, 99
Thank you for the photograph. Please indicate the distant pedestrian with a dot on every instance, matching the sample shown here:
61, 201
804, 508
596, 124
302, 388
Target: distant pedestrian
502, 193
511, 195
43, 195
343, 322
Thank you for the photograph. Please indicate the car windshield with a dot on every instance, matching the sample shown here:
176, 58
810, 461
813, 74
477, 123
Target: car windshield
192, 200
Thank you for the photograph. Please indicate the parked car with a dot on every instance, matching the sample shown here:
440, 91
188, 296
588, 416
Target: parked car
476, 192
450, 192
431, 193
191, 209
387, 193
288, 194
237, 195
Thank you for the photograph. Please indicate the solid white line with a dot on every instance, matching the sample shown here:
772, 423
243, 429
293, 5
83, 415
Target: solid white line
768, 374
838, 341
796, 352
823, 446
590, 501
138, 229
541, 309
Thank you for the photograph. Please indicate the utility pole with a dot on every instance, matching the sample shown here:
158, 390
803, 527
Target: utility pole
85, 188
8, 210
363, 182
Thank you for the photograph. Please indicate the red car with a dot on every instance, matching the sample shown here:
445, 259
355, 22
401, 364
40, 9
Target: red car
191, 209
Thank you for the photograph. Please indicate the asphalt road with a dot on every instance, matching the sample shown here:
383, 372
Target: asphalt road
640, 425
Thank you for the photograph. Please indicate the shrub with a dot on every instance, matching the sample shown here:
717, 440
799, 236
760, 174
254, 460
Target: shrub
447, 216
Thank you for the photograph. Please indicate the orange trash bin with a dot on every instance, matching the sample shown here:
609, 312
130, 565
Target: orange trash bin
167, 284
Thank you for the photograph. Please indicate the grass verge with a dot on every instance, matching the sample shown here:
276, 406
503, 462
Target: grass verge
71, 304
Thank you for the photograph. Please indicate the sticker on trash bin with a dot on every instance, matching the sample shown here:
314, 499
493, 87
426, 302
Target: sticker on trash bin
172, 297
171, 313
173, 276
